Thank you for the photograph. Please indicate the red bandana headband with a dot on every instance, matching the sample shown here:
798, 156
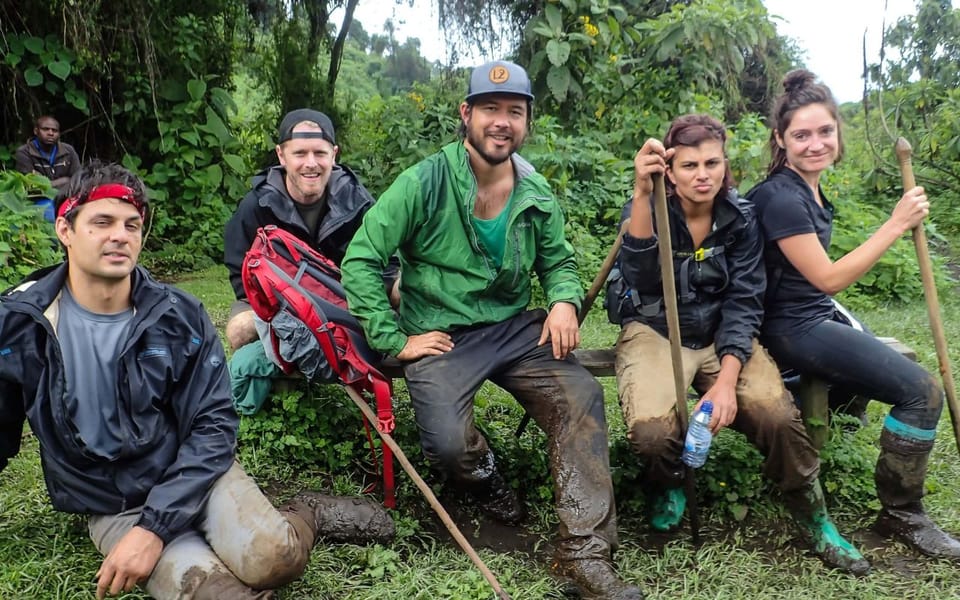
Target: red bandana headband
108, 190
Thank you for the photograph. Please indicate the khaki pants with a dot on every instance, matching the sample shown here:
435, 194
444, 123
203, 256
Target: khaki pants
239, 533
766, 414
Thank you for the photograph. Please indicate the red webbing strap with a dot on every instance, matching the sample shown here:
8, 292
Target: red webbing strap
383, 395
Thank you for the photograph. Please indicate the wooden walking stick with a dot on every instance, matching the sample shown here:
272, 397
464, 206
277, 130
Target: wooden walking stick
673, 329
429, 495
602, 274
904, 151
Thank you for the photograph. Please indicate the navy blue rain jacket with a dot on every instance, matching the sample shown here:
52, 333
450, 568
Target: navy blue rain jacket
173, 390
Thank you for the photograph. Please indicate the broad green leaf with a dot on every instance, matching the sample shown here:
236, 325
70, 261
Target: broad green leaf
33, 44
236, 163
554, 18
13, 59
196, 88
558, 80
214, 175
33, 77
59, 69
558, 52
216, 126
172, 90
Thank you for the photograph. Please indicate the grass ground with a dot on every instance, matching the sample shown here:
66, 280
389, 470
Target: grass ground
47, 555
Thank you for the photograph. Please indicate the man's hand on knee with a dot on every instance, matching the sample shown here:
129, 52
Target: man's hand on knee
129, 562
562, 329
432, 343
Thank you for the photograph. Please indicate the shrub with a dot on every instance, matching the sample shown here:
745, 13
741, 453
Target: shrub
27, 241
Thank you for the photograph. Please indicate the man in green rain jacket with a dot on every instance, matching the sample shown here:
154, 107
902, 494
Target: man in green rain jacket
470, 223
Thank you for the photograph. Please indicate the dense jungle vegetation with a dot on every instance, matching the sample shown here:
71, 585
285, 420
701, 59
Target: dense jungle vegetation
188, 93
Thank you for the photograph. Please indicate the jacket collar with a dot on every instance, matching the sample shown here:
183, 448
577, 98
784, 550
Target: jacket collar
343, 185
42, 288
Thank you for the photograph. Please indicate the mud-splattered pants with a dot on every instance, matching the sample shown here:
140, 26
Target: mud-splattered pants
239, 536
560, 395
766, 414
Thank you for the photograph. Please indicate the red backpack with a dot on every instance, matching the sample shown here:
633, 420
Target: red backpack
282, 273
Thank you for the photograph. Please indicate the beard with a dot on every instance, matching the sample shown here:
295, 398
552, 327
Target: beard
476, 143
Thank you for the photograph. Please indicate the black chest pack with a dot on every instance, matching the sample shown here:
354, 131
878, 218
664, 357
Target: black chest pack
695, 267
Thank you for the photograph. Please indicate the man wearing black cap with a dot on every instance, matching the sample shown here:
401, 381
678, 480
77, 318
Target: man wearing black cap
308, 194
471, 222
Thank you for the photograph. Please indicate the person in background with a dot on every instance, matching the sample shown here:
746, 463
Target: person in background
803, 329
718, 266
44, 154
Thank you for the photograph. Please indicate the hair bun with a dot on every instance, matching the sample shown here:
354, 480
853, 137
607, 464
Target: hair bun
797, 79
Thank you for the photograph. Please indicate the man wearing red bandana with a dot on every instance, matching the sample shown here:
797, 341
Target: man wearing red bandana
123, 381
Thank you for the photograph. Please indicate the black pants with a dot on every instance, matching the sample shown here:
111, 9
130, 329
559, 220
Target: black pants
858, 362
560, 395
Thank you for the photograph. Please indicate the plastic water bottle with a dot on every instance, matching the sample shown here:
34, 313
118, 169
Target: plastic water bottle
697, 444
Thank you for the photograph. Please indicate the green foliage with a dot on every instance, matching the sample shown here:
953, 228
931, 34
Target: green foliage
731, 481
588, 58
389, 135
847, 463
201, 169
318, 427
47, 64
27, 241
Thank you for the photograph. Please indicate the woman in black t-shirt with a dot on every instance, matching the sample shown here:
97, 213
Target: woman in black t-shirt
802, 328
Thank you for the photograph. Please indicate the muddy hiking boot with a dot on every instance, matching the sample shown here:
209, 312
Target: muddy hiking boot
343, 519
595, 579
900, 475
666, 509
810, 513
496, 499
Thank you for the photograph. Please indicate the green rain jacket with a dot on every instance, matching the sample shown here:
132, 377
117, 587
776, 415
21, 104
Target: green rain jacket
448, 281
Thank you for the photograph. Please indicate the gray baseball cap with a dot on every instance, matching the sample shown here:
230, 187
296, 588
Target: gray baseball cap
499, 77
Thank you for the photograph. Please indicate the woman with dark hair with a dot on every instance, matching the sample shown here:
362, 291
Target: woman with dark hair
804, 330
717, 251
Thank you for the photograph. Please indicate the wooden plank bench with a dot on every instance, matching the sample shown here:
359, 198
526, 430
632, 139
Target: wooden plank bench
813, 393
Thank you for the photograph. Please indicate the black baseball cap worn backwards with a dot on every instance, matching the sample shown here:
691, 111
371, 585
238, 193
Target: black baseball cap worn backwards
499, 77
292, 118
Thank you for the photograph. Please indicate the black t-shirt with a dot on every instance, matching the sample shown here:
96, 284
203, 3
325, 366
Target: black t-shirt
786, 207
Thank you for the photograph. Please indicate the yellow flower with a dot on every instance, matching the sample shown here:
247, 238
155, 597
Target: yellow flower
591, 29
585, 19
613, 58
418, 100
723, 484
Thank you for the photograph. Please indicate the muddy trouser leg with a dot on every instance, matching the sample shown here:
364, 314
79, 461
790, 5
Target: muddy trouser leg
648, 399
240, 545
567, 403
856, 360
768, 417
442, 390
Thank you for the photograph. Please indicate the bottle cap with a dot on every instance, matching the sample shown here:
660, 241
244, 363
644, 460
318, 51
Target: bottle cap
707, 407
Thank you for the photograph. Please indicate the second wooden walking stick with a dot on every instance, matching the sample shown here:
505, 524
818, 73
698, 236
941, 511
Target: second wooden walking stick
904, 152
665, 251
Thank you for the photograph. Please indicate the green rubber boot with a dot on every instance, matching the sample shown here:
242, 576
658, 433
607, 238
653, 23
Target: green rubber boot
667, 509
810, 512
